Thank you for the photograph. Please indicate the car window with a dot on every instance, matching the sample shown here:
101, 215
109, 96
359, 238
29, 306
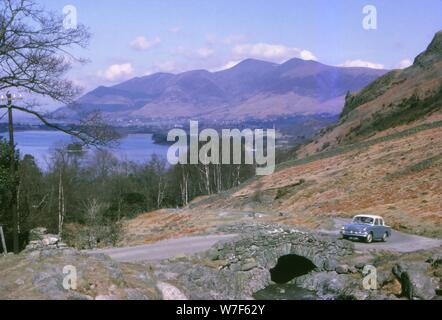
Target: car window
363, 220
382, 222
377, 222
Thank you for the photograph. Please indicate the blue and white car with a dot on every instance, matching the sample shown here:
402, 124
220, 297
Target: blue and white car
368, 228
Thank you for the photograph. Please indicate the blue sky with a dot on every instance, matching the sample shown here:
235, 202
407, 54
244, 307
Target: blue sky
140, 37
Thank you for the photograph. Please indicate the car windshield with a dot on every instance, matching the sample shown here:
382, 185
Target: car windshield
363, 220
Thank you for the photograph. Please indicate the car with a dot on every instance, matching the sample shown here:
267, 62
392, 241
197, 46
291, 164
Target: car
368, 228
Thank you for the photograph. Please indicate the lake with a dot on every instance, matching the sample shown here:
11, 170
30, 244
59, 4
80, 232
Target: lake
134, 147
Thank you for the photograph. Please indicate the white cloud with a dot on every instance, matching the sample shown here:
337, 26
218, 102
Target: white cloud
211, 39
307, 55
117, 72
271, 52
205, 52
226, 66
362, 64
165, 66
142, 44
233, 38
175, 29
405, 63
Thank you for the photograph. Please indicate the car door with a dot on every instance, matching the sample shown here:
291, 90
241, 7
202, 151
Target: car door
378, 232
383, 227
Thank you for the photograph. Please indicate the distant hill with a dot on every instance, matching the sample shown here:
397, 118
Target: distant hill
396, 101
252, 89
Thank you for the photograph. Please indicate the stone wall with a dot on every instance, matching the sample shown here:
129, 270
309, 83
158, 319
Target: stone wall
263, 246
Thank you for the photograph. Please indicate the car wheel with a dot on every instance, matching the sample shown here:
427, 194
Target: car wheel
384, 237
369, 238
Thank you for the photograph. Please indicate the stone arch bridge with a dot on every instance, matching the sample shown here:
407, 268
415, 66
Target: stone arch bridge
251, 261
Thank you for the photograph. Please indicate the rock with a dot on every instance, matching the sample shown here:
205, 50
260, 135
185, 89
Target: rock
328, 285
50, 240
40, 239
249, 264
435, 260
360, 265
41, 277
213, 254
330, 265
352, 269
235, 267
438, 273
170, 292
106, 297
62, 245
34, 255
37, 234
342, 269
384, 277
415, 281
133, 294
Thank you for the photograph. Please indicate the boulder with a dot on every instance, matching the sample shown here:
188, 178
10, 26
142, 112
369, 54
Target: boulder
40, 239
249, 264
37, 234
328, 285
330, 265
415, 280
342, 269
49, 240
435, 260
213, 254
360, 265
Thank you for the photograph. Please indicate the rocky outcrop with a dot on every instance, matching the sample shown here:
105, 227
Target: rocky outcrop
40, 274
415, 280
435, 260
40, 239
433, 52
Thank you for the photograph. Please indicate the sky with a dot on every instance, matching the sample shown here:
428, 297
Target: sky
140, 37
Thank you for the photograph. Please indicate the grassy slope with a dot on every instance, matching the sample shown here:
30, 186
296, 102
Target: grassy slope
398, 176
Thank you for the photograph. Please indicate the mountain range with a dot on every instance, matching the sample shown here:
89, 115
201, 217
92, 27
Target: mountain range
252, 89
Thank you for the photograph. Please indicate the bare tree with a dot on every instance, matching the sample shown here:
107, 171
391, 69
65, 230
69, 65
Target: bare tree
34, 49
35, 57
184, 186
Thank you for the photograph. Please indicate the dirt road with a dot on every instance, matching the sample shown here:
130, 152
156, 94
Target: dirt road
164, 249
399, 242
